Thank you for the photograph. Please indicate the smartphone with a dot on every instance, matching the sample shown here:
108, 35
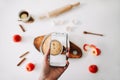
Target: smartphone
58, 48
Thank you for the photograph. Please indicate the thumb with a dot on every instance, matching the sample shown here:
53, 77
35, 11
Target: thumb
46, 56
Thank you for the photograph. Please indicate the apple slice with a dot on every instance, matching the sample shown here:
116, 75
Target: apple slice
86, 47
95, 51
90, 47
93, 46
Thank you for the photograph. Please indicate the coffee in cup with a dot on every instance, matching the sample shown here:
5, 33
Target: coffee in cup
24, 16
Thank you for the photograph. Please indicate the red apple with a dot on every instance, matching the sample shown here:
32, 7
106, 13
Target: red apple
17, 38
93, 68
30, 67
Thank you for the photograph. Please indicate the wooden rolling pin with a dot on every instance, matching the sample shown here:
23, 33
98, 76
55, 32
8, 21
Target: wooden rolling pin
60, 10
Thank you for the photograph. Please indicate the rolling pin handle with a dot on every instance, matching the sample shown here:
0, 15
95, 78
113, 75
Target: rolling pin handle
76, 4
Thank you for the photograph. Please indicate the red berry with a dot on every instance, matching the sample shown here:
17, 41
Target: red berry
30, 67
17, 38
93, 68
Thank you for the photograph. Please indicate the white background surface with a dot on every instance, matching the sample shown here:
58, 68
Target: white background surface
101, 16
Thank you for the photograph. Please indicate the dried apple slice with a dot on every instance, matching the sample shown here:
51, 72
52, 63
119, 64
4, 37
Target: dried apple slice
96, 51
93, 46
86, 47
90, 47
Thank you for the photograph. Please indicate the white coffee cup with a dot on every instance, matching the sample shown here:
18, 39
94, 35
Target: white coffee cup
24, 16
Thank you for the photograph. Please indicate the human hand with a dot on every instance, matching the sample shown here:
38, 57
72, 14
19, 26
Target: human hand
51, 73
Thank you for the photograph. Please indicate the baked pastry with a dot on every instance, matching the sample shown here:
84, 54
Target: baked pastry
38, 41
55, 47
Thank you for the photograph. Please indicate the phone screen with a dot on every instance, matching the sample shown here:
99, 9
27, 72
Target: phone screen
58, 49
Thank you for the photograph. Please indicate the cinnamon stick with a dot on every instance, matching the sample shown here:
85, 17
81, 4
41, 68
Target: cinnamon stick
22, 28
21, 61
24, 54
